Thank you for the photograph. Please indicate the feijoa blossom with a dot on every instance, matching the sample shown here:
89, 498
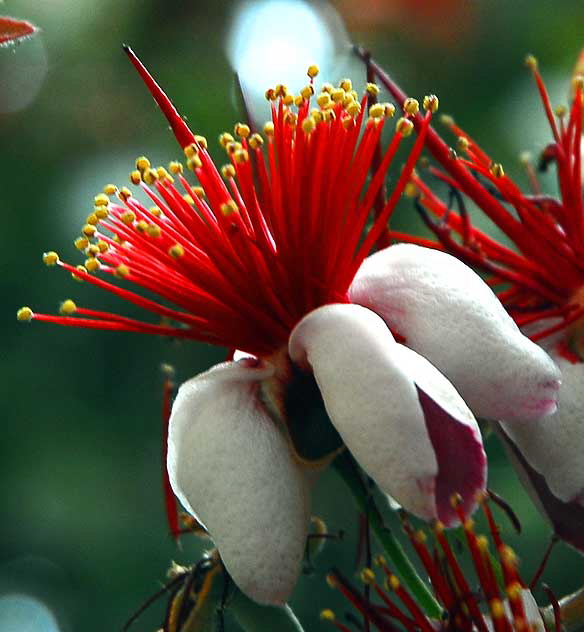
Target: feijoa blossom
268, 256
540, 282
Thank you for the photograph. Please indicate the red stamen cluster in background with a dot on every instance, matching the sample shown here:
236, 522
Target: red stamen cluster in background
543, 279
258, 244
497, 605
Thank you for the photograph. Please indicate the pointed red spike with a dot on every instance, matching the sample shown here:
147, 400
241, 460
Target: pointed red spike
181, 130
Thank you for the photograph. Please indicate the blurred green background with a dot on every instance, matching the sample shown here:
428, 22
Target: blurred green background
82, 522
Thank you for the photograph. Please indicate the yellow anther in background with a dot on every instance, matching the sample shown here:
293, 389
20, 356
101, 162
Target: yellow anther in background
388, 109
377, 110
176, 251
191, 150
24, 314
119, 240
270, 94
188, 198
327, 615
231, 148
372, 88
103, 246
142, 163
483, 543
420, 536
125, 193
307, 92
102, 199
367, 576
531, 62
288, 99
92, 264
404, 126
122, 271
228, 208
463, 143
101, 212
438, 526
142, 225
468, 524
411, 106
153, 230
175, 167
346, 85
129, 217
77, 277
348, 122
298, 100
110, 189
164, 175
328, 116
327, 87
508, 556
241, 156
392, 582
312, 71
431, 103
242, 130
51, 258
323, 99
281, 90
81, 243
154, 210
497, 608
308, 124
447, 120
201, 141
228, 171
514, 590
269, 128
560, 111
150, 176
67, 307
497, 170
198, 191
411, 190
337, 95
379, 560
354, 108
93, 250
93, 219
194, 163
225, 139
255, 141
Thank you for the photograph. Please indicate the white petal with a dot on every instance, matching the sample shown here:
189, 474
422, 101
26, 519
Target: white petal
449, 315
370, 400
554, 446
231, 467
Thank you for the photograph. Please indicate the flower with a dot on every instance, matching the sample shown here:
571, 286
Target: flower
540, 282
509, 604
267, 257
13, 30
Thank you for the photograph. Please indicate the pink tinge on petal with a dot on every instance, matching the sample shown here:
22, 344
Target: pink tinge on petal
462, 463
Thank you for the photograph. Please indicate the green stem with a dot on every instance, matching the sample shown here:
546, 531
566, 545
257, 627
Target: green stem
254, 617
347, 469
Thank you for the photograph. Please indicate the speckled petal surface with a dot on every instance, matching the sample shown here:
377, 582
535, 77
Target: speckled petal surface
450, 316
231, 467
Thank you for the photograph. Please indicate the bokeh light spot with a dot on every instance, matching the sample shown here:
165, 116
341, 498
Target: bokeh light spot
25, 614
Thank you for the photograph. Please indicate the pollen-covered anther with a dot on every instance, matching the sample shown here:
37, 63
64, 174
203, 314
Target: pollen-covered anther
103, 246
175, 167
354, 108
78, 277
420, 537
198, 191
201, 141
281, 90
307, 92
242, 130
122, 271
312, 71
497, 608
404, 126
508, 556
194, 163
337, 95
124, 194
431, 103
376, 110
367, 576
51, 258
81, 243
101, 212
142, 163
270, 94
497, 170
176, 251
560, 111
392, 582
411, 106
188, 198
93, 219
372, 89
24, 314
308, 125
255, 141
225, 139
233, 147
110, 189
463, 143
269, 129
153, 230
142, 225
228, 171
323, 99
483, 543
93, 250
102, 199
163, 174
531, 62
327, 615
67, 307
346, 84
150, 176
92, 264
128, 217
191, 150
411, 190
379, 560
228, 208
155, 210
514, 590
241, 156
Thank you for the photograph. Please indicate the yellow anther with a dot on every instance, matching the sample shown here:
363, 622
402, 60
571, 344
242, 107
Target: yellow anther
194, 163
141, 226
164, 175
323, 99
119, 240
78, 277
327, 615
372, 88
497, 608
81, 243
269, 129
411, 190
242, 130
67, 307
241, 156
438, 526
191, 150
103, 246
328, 116
228, 171
198, 192
51, 258
308, 125
327, 87
154, 210
483, 543
463, 143
298, 100
514, 590
508, 556
312, 71
176, 251
175, 167
290, 118
93, 250
150, 176
388, 110
560, 111
348, 99
376, 111
24, 314
153, 230
228, 208
92, 264
404, 126
100, 212
288, 99
125, 193
354, 108
225, 139
270, 94
392, 582
317, 115
411, 106
92, 218
497, 170
281, 90
331, 580
431, 103
188, 198
231, 148
129, 217
468, 524
348, 122
102, 199
337, 95
307, 92
420, 537
201, 141
346, 85
255, 141
447, 120
142, 163
367, 576
110, 189
122, 271
531, 62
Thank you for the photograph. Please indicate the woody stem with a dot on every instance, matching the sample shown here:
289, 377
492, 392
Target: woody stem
347, 469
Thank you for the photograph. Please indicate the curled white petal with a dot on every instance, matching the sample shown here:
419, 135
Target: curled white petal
231, 467
554, 446
448, 314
